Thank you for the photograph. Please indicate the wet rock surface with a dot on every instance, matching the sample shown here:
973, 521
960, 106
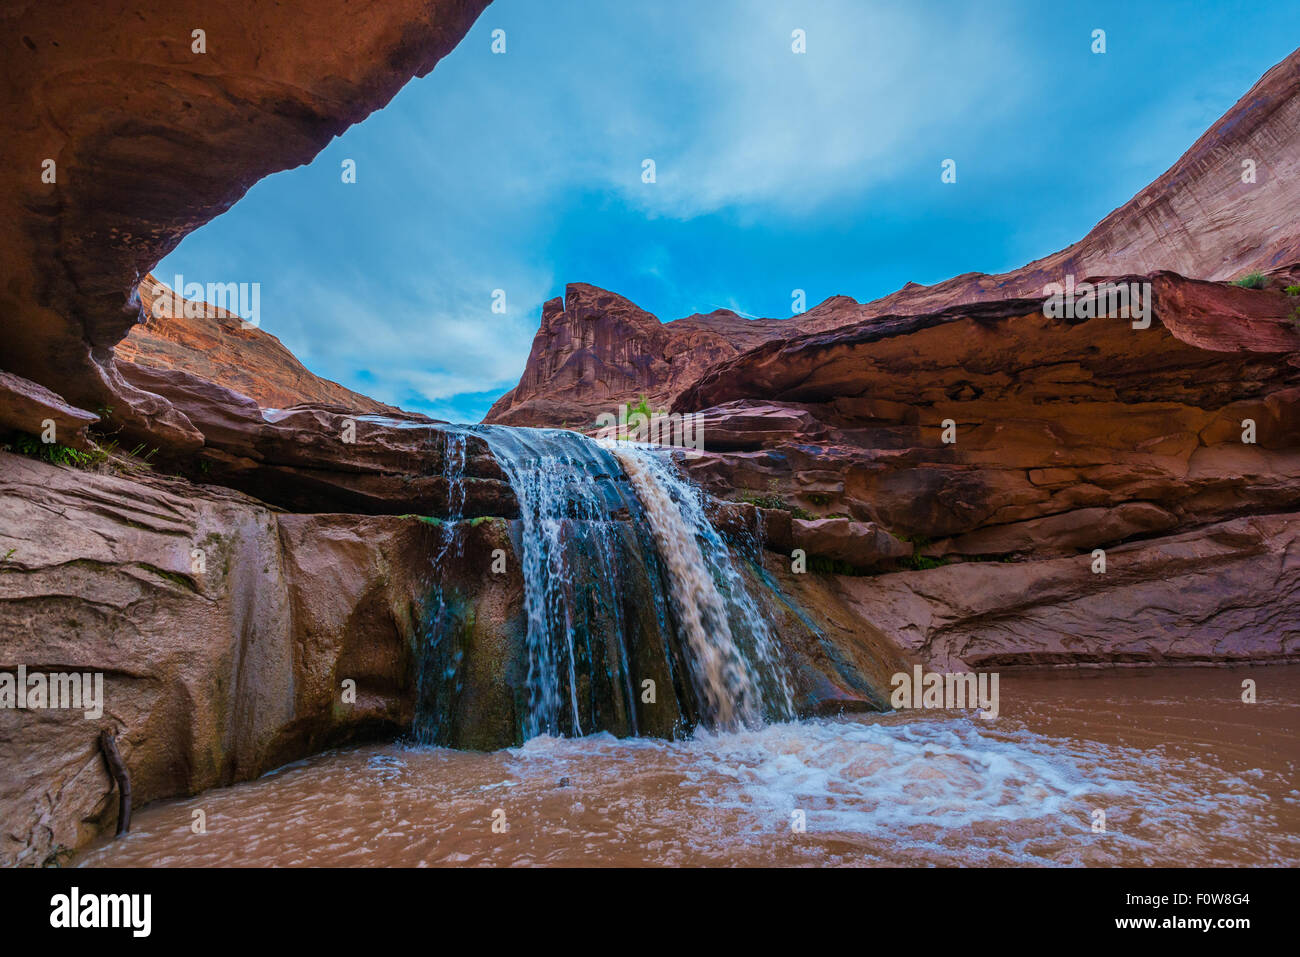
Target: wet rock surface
228, 633
223, 630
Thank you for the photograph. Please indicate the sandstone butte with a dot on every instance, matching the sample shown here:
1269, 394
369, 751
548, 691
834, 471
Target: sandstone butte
823, 431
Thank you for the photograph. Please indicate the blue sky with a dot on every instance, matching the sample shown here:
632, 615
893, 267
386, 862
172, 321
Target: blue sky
774, 171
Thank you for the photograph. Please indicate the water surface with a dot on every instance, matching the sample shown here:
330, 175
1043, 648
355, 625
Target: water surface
1185, 772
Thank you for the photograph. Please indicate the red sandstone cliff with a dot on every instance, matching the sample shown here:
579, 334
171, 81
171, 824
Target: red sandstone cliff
1069, 435
596, 349
1198, 219
219, 346
150, 139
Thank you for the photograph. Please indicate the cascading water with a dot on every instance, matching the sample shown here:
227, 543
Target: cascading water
439, 665
733, 661
636, 620
569, 498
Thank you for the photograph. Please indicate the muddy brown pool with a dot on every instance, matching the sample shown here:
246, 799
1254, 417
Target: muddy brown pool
1184, 772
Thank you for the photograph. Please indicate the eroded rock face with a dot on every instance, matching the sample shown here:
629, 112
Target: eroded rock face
213, 672
1227, 593
1070, 435
150, 140
212, 343
1198, 219
595, 350
1067, 433
314, 458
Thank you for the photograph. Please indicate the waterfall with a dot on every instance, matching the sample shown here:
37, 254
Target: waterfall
439, 663
733, 661
568, 501
636, 619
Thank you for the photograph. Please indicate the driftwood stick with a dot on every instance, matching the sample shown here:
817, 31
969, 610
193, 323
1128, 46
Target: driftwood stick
117, 770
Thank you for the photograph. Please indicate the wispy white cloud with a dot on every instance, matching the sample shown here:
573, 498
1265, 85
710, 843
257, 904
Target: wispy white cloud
435, 340
774, 169
714, 94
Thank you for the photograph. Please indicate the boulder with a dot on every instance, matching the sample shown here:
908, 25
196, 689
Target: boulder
27, 407
860, 544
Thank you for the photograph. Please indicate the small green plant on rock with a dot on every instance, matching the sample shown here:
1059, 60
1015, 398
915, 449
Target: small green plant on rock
1252, 280
775, 502
641, 408
427, 519
58, 454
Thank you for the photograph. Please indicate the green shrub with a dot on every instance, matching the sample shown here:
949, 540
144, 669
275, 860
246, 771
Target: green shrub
764, 501
836, 566
1252, 280
57, 454
922, 563
642, 407
776, 502
1292, 290
427, 519
920, 541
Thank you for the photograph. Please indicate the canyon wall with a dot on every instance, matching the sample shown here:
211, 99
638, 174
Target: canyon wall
211, 343
128, 125
214, 672
150, 138
595, 349
1011, 446
824, 431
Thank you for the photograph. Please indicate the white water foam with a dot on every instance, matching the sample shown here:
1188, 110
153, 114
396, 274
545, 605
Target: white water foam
733, 665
